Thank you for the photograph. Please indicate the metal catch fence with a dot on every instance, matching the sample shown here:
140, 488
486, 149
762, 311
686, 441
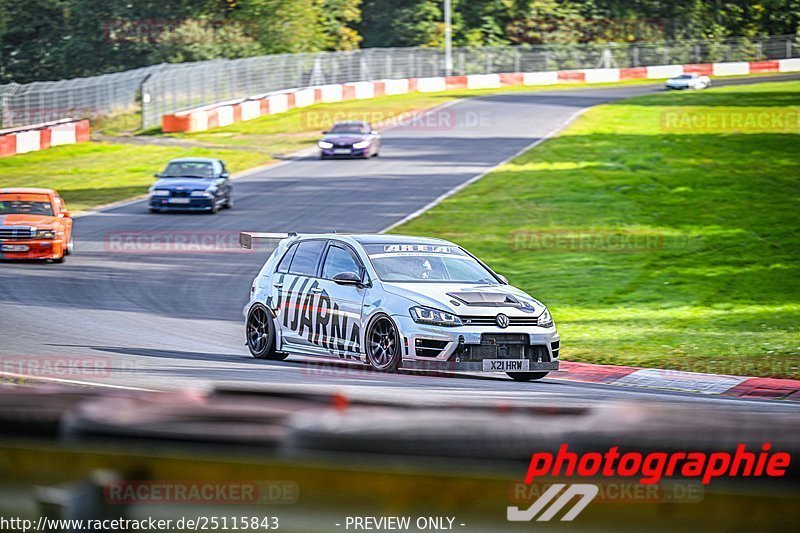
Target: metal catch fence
166, 88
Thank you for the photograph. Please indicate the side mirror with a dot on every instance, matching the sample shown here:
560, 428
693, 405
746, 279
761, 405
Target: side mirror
325, 132
225, 175
373, 132
157, 175
347, 278
64, 214
503, 278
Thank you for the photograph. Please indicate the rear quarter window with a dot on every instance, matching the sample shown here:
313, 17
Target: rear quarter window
283, 266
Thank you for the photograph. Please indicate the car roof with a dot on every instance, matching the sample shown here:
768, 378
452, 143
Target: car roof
193, 160
357, 122
376, 238
27, 190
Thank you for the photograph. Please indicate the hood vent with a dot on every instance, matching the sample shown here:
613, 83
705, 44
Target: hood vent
487, 299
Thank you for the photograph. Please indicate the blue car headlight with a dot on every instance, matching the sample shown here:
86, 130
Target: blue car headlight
545, 320
204, 194
325, 145
427, 315
360, 144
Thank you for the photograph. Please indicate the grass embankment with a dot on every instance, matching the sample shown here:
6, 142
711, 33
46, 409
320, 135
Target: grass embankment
663, 231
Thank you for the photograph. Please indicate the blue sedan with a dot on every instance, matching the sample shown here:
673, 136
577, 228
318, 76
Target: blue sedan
192, 184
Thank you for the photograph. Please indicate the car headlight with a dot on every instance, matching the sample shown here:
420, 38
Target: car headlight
46, 234
204, 194
426, 315
360, 144
325, 144
545, 320
159, 192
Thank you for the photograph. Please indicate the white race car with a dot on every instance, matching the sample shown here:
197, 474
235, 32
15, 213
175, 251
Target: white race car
395, 302
688, 81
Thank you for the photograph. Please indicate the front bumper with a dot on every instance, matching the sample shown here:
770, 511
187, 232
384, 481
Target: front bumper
195, 204
354, 152
31, 249
465, 348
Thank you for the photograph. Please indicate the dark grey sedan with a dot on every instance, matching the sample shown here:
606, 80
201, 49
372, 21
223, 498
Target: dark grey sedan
350, 139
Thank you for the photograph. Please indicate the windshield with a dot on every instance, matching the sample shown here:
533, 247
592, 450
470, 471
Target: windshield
348, 128
27, 204
188, 169
426, 263
685, 77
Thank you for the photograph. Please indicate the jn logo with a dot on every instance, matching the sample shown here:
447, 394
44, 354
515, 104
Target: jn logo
587, 493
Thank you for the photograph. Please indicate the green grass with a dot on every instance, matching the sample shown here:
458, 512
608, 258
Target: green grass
654, 246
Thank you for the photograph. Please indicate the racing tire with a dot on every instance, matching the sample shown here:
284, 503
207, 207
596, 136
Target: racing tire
384, 352
260, 332
229, 202
59, 260
70, 247
214, 209
526, 376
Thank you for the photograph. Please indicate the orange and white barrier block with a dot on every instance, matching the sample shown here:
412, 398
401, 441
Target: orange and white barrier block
38, 137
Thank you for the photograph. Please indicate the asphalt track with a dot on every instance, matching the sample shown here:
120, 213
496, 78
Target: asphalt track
168, 320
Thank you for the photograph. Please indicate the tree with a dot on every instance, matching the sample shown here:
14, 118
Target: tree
200, 39
402, 23
338, 19
283, 26
30, 41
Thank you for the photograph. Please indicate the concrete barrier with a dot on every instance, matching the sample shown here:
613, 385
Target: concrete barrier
38, 137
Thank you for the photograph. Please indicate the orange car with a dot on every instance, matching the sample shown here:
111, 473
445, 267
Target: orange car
34, 224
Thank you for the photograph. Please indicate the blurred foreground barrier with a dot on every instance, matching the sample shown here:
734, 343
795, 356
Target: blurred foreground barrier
313, 459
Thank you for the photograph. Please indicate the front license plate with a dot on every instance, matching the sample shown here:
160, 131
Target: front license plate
15, 248
506, 365
179, 200
342, 151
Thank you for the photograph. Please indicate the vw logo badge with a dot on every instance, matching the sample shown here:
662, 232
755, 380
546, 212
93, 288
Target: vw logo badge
502, 321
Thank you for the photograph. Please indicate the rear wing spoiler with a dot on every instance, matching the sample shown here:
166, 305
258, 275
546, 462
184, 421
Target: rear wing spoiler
249, 239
